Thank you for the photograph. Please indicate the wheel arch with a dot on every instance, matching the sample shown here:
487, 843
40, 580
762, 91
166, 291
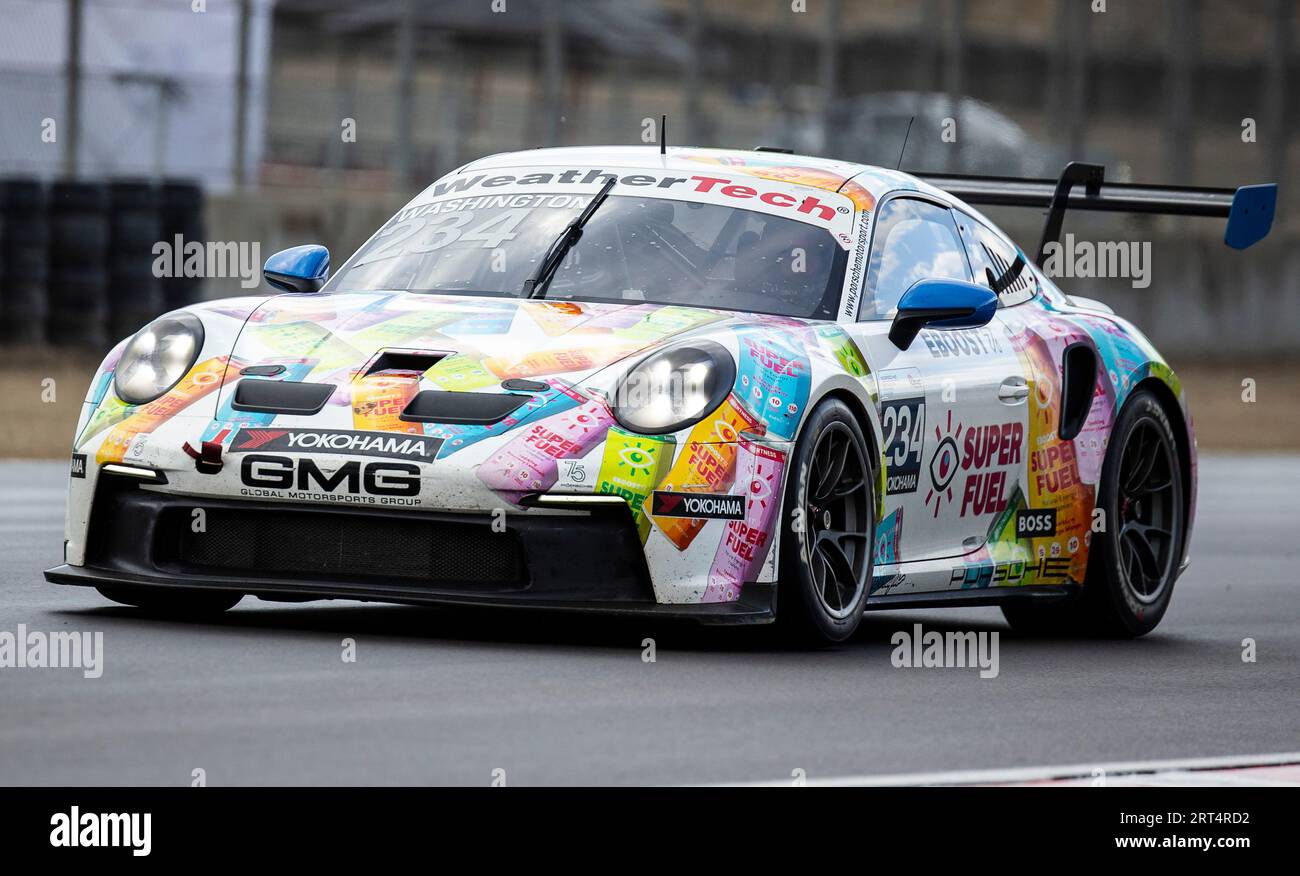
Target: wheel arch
855, 396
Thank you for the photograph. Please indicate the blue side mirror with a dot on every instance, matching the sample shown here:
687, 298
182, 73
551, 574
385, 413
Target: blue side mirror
941, 304
299, 268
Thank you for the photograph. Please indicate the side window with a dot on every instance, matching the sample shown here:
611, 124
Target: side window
914, 240
991, 254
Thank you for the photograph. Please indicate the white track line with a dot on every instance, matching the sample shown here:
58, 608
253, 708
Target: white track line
1187, 767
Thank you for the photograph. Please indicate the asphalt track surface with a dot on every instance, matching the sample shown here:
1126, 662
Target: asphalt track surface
262, 696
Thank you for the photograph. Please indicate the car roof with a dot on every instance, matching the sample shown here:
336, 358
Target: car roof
823, 173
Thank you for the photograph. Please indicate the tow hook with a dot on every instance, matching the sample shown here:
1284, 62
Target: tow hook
206, 460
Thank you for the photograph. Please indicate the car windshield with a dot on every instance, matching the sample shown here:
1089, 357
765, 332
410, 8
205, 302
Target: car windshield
634, 249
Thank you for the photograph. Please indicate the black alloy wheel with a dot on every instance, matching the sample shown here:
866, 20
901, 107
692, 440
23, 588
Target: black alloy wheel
829, 527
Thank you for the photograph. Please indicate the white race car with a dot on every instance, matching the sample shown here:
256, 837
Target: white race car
734, 386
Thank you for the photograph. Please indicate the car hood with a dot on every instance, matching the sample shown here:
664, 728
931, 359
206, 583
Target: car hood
468, 343
380, 350
480, 341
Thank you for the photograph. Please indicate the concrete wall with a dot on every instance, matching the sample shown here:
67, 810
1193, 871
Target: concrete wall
1204, 300
283, 217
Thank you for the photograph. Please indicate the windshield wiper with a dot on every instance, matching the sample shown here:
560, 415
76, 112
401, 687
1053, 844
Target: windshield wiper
535, 286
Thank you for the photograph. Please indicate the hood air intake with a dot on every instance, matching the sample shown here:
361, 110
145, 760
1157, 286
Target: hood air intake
281, 396
469, 408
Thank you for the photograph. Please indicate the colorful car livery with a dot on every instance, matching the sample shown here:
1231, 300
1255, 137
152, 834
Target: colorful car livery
731, 386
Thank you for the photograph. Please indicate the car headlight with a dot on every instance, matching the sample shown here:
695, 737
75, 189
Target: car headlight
157, 358
674, 388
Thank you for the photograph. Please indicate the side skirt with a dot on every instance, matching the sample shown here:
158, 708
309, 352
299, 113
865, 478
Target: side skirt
1042, 593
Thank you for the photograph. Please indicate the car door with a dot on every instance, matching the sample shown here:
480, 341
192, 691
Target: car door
1057, 494
951, 406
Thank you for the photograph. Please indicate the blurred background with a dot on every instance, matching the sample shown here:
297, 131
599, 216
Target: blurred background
127, 122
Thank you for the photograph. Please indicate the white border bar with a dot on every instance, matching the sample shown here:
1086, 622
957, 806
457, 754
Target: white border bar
1050, 773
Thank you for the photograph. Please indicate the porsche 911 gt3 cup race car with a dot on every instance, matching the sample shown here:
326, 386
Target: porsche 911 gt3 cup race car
726, 385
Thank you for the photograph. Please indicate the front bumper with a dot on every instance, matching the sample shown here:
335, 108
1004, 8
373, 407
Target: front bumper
582, 560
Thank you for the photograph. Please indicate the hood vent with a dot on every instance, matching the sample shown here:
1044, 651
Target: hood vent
281, 396
469, 408
403, 360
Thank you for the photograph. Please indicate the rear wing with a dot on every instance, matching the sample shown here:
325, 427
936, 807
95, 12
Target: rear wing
1249, 209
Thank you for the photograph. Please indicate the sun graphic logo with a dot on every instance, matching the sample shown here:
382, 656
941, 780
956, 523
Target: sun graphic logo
636, 459
1043, 382
1044, 391
943, 465
726, 432
760, 486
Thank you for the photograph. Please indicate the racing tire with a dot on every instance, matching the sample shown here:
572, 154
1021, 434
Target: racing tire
179, 603
828, 529
1134, 560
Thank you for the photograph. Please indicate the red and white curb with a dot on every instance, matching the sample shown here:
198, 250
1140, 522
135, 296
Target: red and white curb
1244, 770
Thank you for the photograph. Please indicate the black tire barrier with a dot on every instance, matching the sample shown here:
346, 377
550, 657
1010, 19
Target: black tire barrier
24, 239
78, 281
135, 294
77, 258
182, 213
22, 195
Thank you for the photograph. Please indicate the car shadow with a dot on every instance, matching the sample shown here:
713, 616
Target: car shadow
531, 627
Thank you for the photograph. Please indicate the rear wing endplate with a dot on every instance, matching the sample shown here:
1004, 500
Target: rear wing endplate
1249, 209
